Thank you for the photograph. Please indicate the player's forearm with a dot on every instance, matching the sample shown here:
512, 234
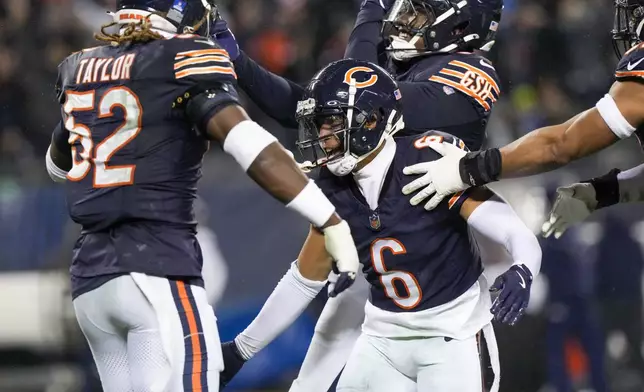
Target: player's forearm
275, 95
286, 303
551, 147
365, 37
539, 151
497, 221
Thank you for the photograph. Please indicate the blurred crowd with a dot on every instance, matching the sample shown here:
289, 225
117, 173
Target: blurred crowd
555, 59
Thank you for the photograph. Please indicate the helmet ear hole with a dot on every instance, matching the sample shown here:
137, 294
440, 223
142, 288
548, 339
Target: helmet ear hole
458, 29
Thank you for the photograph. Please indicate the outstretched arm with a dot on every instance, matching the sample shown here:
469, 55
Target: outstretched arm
365, 42
616, 116
576, 202
275, 95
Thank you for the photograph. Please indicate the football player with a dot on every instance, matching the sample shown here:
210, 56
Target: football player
138, 114
440, 75
433, 45
618, 115
428, 299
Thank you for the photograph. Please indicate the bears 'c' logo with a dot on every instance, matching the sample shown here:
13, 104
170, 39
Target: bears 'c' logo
369, 82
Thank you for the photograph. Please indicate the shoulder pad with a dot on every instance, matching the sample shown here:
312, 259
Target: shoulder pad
66, 71
632, 64
472, 75
199, 60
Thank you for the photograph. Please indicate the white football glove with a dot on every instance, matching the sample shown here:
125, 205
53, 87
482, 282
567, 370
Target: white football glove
574, 204
440, 178
340, 246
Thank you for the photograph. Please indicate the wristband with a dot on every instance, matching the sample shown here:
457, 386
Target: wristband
480, 167
606, 188
312, 204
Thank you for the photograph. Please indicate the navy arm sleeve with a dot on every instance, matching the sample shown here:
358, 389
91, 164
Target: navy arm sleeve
275, 95
365, 42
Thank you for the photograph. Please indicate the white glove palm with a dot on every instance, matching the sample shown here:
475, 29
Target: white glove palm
340, 246
574, 204
440, 178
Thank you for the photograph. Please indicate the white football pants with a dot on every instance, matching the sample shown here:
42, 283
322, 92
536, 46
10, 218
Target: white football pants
414, 364
336, 332
150, 334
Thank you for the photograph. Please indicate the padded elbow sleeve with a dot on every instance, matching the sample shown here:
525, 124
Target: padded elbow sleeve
206, 104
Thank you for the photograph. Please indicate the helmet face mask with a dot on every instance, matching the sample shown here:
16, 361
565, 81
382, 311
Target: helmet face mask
419, 27
348, 109
325, 137
628, 24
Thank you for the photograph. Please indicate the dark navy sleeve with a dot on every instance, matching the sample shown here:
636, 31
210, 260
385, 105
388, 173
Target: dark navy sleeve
60, 138
273, 94
365, 42
472, 76
458, 98
199, 63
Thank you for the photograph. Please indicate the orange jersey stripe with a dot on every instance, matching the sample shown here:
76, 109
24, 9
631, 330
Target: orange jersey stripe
202, 52
200, 60
454, 199
477, 71
629, 73
451, 72
204, 71
194, 336
460, 88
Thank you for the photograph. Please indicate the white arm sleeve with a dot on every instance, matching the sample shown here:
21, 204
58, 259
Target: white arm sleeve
609, 111
286, 303
631, 185
247, 140
55, 173
497, 221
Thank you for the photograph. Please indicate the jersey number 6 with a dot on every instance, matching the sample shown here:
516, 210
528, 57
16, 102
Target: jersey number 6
412, 297
98, 157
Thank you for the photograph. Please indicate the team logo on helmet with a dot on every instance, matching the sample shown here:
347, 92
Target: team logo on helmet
367, 83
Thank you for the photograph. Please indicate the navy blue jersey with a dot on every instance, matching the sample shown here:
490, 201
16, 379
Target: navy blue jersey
631, 68
137, 158
414, 259
452, 93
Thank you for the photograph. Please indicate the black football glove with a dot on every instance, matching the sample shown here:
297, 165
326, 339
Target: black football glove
233, 362
514, 287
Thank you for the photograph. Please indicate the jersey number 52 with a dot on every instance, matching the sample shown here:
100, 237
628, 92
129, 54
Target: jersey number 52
411, 298
97, 157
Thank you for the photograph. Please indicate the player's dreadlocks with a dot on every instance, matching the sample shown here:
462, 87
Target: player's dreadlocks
136, 32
